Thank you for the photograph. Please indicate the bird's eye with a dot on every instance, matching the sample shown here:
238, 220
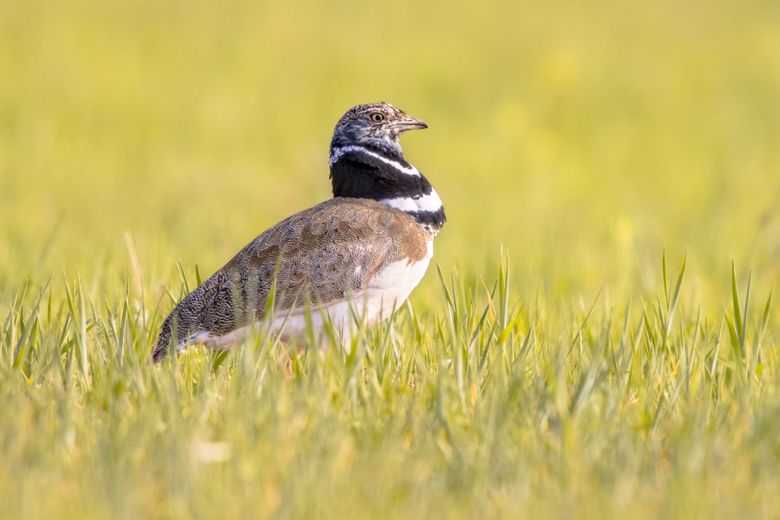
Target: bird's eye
377, 117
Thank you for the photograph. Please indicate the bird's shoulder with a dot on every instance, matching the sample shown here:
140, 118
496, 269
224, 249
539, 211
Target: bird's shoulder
350, 231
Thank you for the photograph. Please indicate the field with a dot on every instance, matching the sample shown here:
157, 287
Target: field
598, 336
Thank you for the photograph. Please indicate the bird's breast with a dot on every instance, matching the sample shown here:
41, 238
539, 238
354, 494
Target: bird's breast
391, 286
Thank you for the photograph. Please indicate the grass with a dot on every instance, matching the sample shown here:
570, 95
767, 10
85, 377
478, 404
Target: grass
488, 406
601, 337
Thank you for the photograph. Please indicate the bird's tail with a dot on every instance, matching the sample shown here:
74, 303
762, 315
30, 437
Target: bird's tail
187, 319
167, 340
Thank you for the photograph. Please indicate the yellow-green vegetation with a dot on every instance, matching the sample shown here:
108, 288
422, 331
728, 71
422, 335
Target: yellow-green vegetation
557, 365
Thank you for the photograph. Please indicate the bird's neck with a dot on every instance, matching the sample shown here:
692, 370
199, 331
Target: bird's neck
371, 173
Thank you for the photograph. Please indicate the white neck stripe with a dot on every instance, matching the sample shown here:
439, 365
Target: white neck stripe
337, 153
430, 202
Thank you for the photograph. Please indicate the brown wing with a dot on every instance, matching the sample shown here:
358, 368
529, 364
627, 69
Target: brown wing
322, 254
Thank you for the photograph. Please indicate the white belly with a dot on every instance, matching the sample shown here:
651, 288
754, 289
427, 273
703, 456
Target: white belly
385, 293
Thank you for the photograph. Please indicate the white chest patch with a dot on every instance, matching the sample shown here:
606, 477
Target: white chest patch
430, 202
393, 285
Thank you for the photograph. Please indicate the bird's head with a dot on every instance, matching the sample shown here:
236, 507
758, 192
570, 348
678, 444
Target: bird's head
376, 125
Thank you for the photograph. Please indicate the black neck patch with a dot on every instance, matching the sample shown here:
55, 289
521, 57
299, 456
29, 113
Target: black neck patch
361, 174
370, 174
430, 219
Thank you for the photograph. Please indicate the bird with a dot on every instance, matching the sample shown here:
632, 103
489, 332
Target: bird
356, 255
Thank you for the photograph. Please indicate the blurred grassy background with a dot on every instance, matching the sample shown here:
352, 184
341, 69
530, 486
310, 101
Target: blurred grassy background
585, 138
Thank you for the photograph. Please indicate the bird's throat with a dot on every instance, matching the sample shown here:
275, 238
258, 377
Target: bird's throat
361, 172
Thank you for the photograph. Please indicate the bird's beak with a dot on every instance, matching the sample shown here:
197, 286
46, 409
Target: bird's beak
409, 123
